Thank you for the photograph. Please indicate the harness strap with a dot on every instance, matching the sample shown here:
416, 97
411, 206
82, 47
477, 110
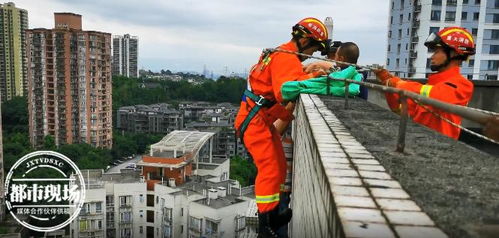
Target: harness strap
260, 102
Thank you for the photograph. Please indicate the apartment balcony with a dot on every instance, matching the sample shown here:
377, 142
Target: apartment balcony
417, 8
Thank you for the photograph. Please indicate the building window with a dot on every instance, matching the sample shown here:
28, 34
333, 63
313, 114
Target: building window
496, 4
398, 48
387, 62
494, 49
389, 48
405, 61
436, 2
389, 34
474, 31
476, 15
406, 46
401, 18
471, 63
494, 35
490, 77
407, 31
150, 216
211, 228
195, 224
435, 15
450, 16
400, 33
83, 225
495, 19
465, 1
409, 17
477, 2
126, 217
493, 65
434, 30
402, 4
391, 20
464, 16
98, 207
397, 63
451, 2
393, 5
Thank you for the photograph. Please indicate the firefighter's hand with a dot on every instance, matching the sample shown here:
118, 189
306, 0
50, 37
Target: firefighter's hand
491, 129
383, 75
318, 66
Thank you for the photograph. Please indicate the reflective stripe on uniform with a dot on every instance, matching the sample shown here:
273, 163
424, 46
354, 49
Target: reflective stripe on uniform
425, 90
268, 198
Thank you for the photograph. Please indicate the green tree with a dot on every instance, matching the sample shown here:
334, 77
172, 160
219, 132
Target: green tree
49, 143
242, 170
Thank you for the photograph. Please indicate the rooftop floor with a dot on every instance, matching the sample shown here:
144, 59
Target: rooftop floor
455, 184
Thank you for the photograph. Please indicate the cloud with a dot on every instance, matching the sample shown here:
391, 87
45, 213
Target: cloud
185, 35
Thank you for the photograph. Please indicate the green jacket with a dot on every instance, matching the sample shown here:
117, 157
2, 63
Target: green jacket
290, 90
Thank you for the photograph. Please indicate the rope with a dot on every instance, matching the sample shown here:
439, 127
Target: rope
270, 50
319, 58
454, 124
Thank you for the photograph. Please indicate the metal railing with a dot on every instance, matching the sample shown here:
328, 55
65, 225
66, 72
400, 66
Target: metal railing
473, 114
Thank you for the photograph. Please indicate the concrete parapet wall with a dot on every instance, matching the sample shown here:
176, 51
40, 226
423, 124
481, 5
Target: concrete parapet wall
340, 189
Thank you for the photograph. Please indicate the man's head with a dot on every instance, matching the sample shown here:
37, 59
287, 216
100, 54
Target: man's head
333, 47
309, 35
347, 52
450, 47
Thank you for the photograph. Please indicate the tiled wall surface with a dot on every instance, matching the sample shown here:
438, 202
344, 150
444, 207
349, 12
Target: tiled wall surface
340, 190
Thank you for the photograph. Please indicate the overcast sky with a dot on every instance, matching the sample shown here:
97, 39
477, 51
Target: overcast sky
183, 35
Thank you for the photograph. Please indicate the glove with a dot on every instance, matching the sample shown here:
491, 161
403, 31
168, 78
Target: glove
386, 78
491, 129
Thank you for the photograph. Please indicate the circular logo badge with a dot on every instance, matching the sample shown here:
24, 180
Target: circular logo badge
44, 191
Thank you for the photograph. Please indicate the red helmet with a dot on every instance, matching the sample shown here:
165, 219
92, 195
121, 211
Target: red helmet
456, 38
312, 28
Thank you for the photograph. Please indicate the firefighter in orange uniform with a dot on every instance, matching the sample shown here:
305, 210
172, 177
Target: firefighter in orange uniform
451, 46
261, 106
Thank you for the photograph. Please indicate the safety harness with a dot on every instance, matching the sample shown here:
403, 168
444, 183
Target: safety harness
260, 102
272, 108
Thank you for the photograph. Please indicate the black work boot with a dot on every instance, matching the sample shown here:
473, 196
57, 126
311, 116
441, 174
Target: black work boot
269, 222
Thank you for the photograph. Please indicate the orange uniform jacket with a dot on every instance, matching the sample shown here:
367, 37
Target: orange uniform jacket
448, 86
261, 139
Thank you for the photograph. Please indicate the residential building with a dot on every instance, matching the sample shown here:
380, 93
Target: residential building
126, 55
156, 118
328, 22
69, 83
14, 22
411, 22
177, 190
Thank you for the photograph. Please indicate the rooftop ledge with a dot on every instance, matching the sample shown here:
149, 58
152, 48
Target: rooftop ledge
348, 181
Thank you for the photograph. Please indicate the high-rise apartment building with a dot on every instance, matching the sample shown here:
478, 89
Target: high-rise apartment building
69, 83
13, 24
411, 22
126, 55
330, 26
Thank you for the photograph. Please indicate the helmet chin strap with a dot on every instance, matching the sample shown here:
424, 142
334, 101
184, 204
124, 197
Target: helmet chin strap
301, 48
444, 64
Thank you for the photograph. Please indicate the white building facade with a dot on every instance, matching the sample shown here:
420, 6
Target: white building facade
411, 22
